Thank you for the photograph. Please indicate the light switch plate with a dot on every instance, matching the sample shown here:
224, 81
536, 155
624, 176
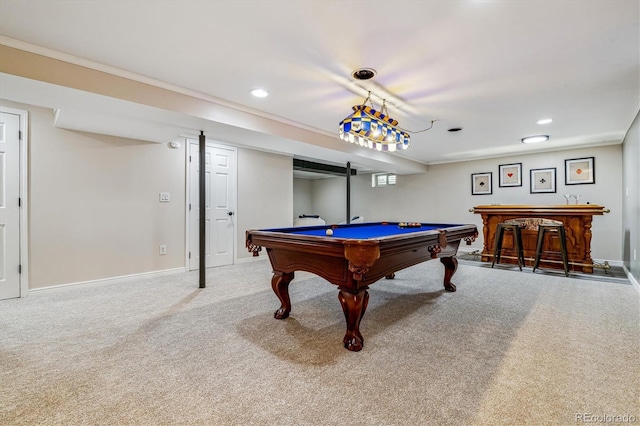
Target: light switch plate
165, 197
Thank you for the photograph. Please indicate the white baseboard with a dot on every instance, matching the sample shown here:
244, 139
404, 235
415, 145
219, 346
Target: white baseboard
468, 249
102, 280
633, 279
263, 256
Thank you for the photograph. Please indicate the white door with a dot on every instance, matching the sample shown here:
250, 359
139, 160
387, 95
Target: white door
220, 204
9, 205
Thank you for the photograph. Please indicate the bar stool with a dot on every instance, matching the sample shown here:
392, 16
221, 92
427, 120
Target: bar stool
514, 226
552, 226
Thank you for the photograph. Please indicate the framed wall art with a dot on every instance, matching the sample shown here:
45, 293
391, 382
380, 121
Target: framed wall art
543, 180
580, 171
510, 174
481, 183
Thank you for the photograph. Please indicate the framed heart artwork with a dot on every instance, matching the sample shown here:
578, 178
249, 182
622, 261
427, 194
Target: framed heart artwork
510, 175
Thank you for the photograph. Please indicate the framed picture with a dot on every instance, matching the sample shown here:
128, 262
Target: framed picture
510, 174
580, 171
481, 183
543, 180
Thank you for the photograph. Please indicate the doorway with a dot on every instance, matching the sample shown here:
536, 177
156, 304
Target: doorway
220, 204
13, 276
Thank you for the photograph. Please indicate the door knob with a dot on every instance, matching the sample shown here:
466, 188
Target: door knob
230, 213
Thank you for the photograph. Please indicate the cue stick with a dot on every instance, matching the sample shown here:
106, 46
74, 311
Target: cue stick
348, 192
202, 248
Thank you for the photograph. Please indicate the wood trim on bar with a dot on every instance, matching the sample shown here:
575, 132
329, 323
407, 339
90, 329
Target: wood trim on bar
560, 209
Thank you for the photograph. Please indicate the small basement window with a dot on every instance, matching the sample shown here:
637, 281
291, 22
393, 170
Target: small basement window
383, 179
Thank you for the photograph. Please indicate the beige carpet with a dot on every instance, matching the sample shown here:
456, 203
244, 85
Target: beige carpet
508, 348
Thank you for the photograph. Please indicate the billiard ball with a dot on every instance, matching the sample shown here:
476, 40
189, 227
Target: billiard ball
329, 232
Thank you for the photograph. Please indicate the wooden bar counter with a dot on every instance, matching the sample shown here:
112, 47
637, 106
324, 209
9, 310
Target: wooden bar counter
577, 222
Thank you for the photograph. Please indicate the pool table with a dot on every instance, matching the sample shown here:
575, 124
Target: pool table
355, 256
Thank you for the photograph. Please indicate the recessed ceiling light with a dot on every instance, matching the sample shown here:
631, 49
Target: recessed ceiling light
545, 121
535, 139
259, 93
364, 74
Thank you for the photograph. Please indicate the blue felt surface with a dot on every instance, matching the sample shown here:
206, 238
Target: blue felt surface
362, 231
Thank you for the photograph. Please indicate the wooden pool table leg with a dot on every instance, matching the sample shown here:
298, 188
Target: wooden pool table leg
280, 284
354, 306
450, 266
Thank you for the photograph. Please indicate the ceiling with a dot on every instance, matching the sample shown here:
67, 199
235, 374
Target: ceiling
492, 68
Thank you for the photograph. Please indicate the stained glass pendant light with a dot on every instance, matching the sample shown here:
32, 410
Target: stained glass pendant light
373, 129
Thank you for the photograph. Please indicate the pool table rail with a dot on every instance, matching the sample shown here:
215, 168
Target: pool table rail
367, 260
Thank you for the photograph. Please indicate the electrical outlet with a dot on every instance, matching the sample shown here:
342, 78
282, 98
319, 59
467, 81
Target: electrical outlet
163, 249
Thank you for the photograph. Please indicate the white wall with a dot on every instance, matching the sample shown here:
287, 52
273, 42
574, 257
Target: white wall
94, 209
443, 194
265, 193
302, 200
631, 199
